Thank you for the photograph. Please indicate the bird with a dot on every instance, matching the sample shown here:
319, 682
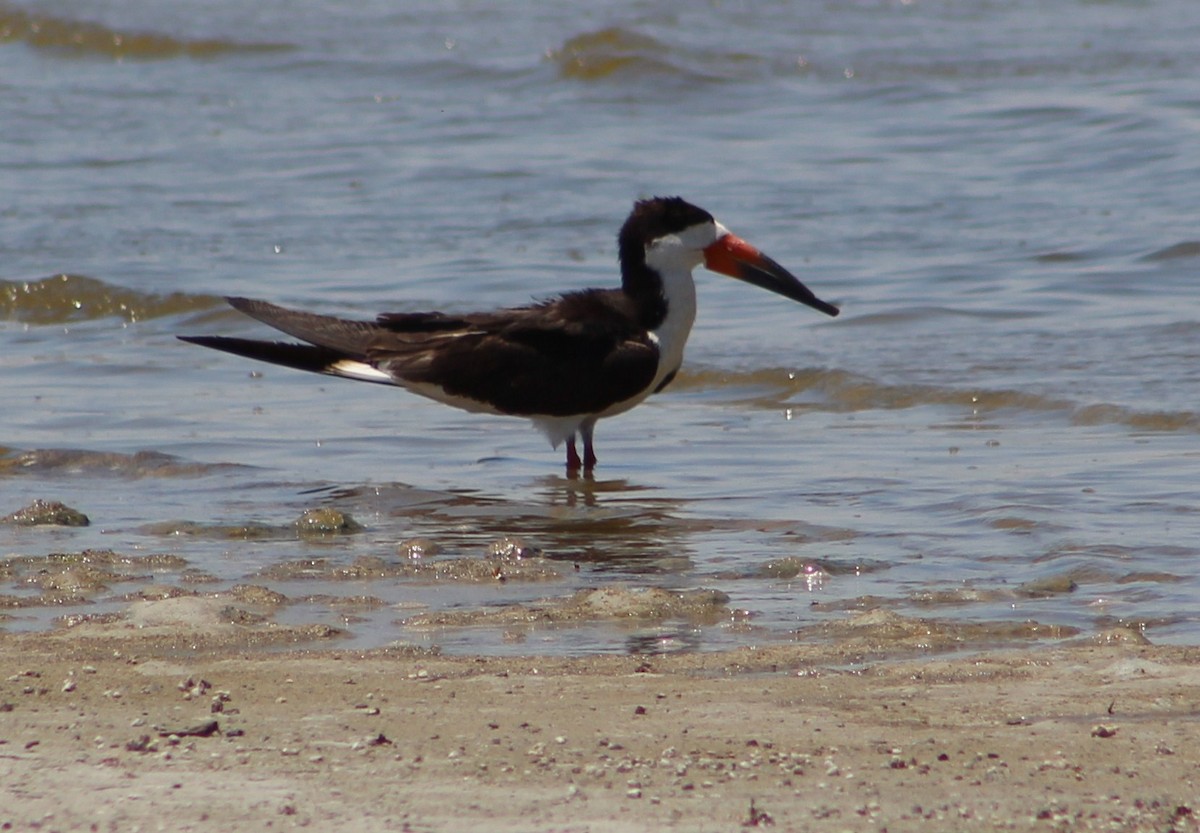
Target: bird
564, 362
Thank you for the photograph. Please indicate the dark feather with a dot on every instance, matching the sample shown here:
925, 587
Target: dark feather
421, 322
576, 354
299, 356
572, 355
350, 337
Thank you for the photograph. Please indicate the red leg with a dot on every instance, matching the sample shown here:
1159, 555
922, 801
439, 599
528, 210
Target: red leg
589, 451
573, 455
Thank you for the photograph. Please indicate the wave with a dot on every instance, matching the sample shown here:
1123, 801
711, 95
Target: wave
1179, 251
77, 461
843, 391
43, 31
68, 298
616, 52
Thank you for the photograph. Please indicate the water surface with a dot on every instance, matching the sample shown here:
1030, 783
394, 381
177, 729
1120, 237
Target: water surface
1001, 427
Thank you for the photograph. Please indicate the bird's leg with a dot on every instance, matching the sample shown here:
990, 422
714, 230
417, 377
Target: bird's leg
589, 451
573, 455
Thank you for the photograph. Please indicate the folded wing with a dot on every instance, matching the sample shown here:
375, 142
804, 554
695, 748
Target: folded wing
567, 356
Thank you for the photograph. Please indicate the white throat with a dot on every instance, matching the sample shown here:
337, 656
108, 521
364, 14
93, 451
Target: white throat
672, 334
674, 257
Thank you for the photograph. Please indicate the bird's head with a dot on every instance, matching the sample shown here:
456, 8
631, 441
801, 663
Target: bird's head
669, 234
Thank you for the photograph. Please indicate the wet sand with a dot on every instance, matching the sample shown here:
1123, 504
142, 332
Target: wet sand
168, 720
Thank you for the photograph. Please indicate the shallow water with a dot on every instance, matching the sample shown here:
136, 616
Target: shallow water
1001, 197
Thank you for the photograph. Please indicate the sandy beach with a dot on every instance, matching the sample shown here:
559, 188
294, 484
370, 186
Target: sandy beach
150, 723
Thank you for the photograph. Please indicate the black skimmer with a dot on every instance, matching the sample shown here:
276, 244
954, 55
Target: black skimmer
563, 363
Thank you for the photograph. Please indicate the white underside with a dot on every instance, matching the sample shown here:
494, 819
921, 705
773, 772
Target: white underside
670, 339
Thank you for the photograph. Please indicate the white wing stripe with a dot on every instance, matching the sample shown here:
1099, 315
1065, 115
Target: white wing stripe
362, 371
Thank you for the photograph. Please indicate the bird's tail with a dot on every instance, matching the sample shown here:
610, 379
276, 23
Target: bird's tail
308, 357
299, 356
335, 346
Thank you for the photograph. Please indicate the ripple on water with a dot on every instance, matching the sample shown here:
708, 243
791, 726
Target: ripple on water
845, 391
617, 53
1178, 251
73, 461
56, 33
66, 298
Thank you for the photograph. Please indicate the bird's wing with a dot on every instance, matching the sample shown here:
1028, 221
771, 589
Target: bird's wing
335, 346
573, 355
351, 338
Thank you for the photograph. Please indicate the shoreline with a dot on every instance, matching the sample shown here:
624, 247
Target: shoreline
112, 726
